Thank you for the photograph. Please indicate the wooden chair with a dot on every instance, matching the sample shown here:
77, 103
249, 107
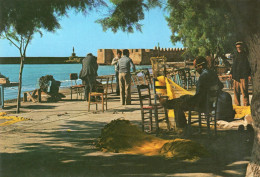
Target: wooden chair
147, 77
78, 88
146, 106
164, 111
207, 116
101, 93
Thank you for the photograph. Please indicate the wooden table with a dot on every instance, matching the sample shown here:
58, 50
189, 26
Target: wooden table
2, 88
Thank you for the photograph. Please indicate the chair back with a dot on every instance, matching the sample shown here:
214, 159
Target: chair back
156, 88
102, 84
144, 95
147, 76
74, 77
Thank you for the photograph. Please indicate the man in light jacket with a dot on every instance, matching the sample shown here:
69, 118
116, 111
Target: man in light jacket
123, 67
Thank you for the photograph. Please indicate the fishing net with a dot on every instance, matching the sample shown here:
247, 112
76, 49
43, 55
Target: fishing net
173, 90
10, 119
122, 136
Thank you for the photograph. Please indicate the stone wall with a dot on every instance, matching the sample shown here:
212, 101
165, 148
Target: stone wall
142, 56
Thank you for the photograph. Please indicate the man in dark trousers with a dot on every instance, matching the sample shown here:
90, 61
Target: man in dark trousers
123, 67
196, 102
240, 72
88, 73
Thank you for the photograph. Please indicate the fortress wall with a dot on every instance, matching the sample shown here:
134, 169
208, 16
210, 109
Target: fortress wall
136, 55
100, 56
142, 56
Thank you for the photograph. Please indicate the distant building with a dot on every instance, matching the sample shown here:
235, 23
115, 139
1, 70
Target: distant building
142, 56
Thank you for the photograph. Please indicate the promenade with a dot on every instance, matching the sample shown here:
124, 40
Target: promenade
58, 139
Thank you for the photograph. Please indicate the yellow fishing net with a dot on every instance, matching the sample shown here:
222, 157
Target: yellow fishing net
11, 119
173, 90
122, 136
241, 111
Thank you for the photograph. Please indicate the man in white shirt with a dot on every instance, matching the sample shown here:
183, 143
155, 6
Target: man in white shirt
114, 62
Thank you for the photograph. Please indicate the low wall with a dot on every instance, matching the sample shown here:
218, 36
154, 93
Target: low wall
35, 60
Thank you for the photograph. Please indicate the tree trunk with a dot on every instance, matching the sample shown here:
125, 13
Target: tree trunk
20, 85
253, 168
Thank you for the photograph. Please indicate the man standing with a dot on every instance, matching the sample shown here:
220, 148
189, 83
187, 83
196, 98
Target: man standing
197, 102
123, 67
240, 72
114, 62
88, 73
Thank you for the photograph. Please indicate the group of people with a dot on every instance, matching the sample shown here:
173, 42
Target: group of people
123, 66
240, 73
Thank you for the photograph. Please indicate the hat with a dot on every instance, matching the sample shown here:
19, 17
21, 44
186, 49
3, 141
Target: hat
239, 43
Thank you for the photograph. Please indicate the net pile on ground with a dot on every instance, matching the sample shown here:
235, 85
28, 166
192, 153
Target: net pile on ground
122, 136
11, 119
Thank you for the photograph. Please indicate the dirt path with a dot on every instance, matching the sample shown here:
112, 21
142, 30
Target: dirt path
59, 139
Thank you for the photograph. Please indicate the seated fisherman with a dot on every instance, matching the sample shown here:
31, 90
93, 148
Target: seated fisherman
197, 102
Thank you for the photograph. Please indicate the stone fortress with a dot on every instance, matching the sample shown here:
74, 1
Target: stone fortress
142, 56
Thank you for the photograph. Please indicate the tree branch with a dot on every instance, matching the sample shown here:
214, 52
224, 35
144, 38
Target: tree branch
12, 41
27, 42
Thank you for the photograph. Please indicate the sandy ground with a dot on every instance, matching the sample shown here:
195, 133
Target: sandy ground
59, 140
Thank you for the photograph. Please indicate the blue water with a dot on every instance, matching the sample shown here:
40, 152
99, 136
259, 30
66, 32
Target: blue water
32, 72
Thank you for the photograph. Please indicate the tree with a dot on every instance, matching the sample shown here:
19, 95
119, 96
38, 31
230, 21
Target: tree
20, 19
20, 42
202, 26
245, 15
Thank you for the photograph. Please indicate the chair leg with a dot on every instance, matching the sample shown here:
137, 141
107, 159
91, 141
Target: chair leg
70, 93
106, 100
167, 119
102, 97
208, 123
189, 123
199, 122
215, 125
156, 119
89, 102
142, 115
151, 120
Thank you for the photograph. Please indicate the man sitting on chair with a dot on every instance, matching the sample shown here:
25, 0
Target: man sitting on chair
196, 102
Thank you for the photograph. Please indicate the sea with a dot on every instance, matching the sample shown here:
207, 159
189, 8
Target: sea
60, 72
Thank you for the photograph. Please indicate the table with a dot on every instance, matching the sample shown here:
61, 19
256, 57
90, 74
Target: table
2, 88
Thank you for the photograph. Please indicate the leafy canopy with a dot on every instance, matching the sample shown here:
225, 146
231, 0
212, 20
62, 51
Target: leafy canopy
27, 15
126, 14
203, 26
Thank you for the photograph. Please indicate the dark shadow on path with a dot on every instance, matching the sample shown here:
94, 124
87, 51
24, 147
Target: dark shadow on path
70, 151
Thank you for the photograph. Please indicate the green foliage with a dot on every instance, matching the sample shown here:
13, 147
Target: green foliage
126, 14
27, 15
204, 27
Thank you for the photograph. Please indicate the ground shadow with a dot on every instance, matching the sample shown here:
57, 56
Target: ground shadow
69, 150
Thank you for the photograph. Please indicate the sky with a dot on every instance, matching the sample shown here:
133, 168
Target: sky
81, 32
